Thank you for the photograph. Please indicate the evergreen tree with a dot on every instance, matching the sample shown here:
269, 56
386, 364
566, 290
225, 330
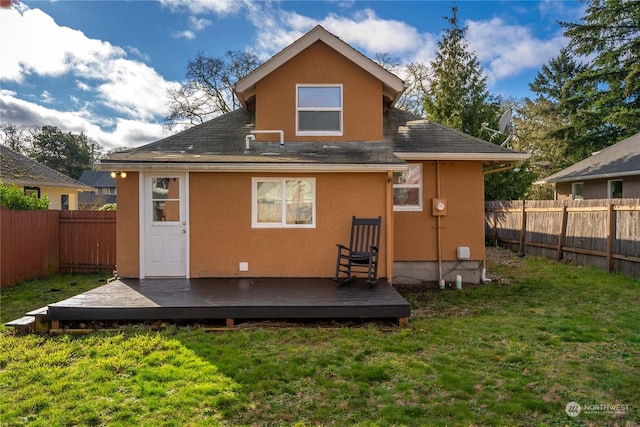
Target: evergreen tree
68, 153
609, 34
457, 94
553, 121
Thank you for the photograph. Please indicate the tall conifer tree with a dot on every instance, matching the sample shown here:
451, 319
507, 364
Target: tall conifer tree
457, 94
609, 34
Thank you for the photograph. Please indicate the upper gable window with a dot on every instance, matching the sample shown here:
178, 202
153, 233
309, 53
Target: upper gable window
319, 110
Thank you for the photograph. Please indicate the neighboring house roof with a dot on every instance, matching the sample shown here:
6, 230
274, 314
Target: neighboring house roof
219, 144
21, 170
97, 179
393, 85
618, 160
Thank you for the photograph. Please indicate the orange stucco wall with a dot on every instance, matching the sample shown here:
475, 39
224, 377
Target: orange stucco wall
221, 235
461, 184
319, 64
127, 230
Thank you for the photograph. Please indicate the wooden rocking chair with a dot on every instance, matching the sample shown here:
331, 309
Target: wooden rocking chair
362, 252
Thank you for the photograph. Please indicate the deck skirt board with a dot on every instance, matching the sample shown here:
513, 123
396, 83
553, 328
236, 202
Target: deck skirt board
264, 298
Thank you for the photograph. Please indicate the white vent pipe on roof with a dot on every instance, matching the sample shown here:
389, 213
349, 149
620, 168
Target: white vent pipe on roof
247, 143
280, 132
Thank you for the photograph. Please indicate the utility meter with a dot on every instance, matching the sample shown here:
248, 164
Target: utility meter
438, 207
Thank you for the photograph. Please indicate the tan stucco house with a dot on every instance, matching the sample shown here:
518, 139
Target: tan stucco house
270, 189
37, 179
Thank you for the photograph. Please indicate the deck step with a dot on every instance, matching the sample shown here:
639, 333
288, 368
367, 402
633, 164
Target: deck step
42, 311
23, 324
33, 321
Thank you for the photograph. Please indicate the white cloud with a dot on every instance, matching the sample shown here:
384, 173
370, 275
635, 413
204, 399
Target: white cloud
39, 46
124, 132
134, 89
198, 24
364, 30
186, 34
47, 97
128, 87
510, 49
220, 7
372, 33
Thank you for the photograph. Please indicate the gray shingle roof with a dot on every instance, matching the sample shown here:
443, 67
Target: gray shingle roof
97, 179
413, 134
21, 170
222, 141
621, 159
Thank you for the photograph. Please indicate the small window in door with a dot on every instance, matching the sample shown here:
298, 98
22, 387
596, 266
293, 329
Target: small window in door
165, 197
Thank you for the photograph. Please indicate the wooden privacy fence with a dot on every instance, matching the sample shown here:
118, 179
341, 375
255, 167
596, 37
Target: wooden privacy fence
36, 244
602, 232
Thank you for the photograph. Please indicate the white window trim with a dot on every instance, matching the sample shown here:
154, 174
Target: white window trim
610, 187
339, 109
283, 223
420, 207
573, 190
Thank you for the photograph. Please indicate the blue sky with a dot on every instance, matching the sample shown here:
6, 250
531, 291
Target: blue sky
103, 67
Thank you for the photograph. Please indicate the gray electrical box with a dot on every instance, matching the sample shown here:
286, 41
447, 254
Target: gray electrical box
464, 252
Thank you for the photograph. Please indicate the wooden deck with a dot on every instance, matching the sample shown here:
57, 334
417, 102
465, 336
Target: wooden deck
201, 299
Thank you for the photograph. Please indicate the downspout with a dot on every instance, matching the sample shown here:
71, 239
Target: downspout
390, 252
438, 225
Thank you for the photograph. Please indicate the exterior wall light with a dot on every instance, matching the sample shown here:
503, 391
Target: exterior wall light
120, 174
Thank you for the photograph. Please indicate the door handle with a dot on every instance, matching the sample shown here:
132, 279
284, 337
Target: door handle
184, 231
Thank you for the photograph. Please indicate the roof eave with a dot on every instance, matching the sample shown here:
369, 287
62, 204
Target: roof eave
493, 157
574, 178
252, 167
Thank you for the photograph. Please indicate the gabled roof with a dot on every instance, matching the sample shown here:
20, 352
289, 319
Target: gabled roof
97, 179
21, 170
618, 160
219, 144
393, 85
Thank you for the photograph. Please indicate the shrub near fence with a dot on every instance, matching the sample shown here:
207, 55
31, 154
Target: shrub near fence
602, 232
36, 244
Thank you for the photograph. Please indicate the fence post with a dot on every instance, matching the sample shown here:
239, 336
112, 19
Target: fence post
494, 238
523, 230
563, 232
611, 234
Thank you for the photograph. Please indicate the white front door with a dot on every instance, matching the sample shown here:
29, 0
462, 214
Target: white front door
165, 233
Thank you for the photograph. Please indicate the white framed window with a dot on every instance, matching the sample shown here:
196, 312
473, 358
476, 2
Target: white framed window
165, 199
319, 109
577, 190
407, 189
615, 189
283, 203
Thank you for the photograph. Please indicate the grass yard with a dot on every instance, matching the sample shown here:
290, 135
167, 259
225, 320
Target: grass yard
512, 352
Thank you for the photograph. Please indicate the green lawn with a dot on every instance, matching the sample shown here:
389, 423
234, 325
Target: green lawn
512, 352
